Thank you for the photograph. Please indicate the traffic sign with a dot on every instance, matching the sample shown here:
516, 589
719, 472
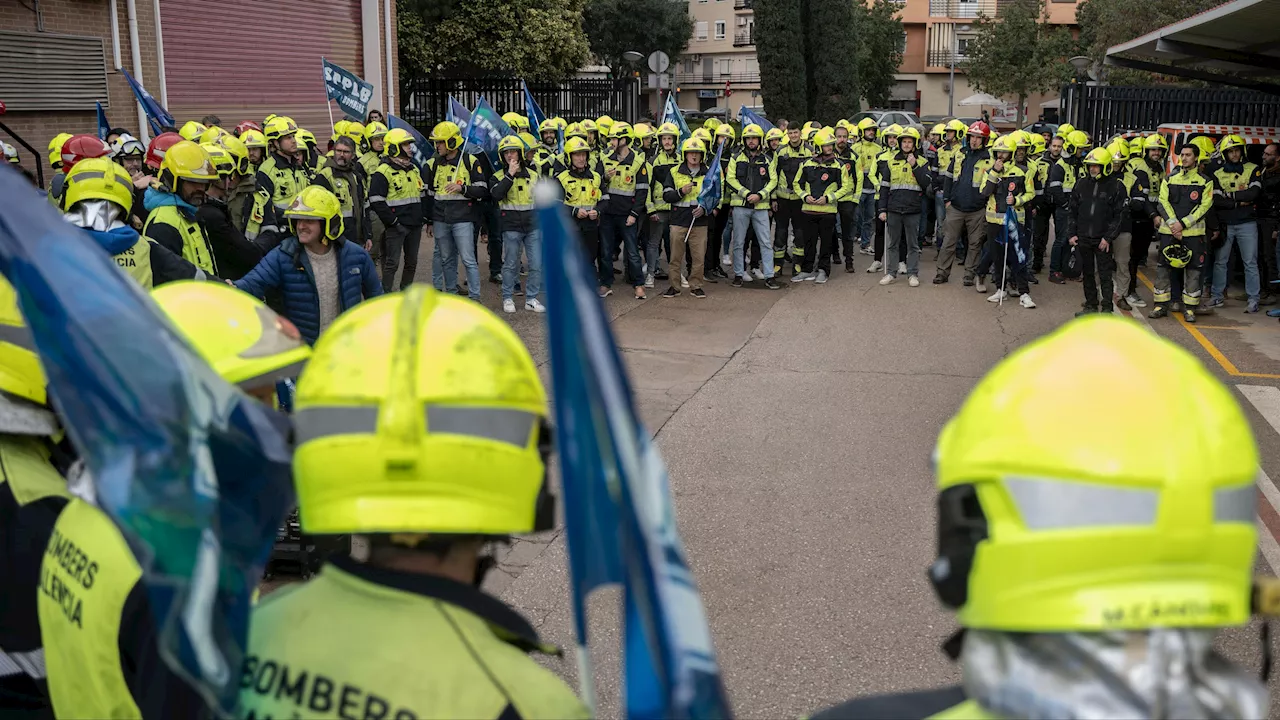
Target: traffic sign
658, 61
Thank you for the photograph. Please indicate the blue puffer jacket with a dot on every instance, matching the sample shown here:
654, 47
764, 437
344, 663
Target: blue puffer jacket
288, 269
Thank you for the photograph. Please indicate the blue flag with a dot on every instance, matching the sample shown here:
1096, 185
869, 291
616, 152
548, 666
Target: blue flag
157, 117
619, 520
531, 109
1011, 232
671, 114
104, 127
352, 93
195, 473
422, 150
709, 196
747, 117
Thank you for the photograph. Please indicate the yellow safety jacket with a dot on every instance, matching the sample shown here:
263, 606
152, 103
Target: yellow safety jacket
87, 575
751, 174
1144, 195
170, 228
1185, 197
278, 182
629, 185
136, 262
682, 204
818, 178
369, 161
660, 171
868, 153
582, 190
514, 194
946, 155
358, 641
789, 159
1013, 178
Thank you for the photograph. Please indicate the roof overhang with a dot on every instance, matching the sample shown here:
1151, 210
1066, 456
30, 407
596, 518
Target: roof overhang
1232, 44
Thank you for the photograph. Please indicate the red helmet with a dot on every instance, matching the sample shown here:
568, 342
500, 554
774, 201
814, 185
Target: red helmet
160, 144
980, 128
82, 147
247, 125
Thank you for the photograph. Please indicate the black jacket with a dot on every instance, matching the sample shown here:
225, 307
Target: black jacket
234, 254
962, 190
1269, 200
1096, 207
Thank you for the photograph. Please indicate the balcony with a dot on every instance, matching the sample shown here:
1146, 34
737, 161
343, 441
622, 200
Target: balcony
964, 9
942, 58
744, 38
703, 78
743, 5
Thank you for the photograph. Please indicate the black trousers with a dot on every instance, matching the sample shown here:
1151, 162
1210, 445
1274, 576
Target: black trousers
1040, 233
788, 216
819, 238
714, 234
1099, 267
1143, 235
1267, 252
849, 229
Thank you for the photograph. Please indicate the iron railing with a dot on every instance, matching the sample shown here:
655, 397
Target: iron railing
717, 78
942, 58
743, 38
743, 4
1103, 110
426, 99
962, 8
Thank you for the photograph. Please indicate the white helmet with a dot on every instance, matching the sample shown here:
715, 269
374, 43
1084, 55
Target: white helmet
126, 144
10, 153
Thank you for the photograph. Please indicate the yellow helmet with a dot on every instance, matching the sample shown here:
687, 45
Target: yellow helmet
279, 126
355, 131
192, 131
98, 179
1155, 141
1037, 143
957, 126
548, 125
911, 133
702, 134
560, 122
1064, 129
185, 161
515, 121
20, 371
1104, 533
239, 153
1002, 144
604, 124
212, 134
621, 130
55, 149
775, 134
253, 139
893, 130
305, 136
725, 131
1205, 145
446, 132
530, 142
644, 131
711, 125
374, 130
844, 123
1020, 139
693, 144
669, 128
938, 129
220, 159
576, 144
397, 137
1075, 141
316, 203
1229, 142
574, 130
443, 431
1119, 149
865, 124
1099, 156
587, 125
245, 341
823, 138
752, 131
510, 142
340, 128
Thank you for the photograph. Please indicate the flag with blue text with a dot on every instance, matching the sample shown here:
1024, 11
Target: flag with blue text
746, 116
671, 114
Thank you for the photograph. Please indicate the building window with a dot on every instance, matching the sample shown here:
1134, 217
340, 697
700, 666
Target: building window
726, 67
902, 42
719, 28
962, 47
700, 30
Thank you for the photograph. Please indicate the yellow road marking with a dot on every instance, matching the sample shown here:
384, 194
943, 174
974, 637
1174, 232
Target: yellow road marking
1208, 346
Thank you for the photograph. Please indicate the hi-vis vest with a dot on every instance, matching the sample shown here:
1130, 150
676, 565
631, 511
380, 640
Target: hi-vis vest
86, 577
1012, 180
136, 262
341, 189
370, 162
818, 178
623, 182
520, 196
1070, 173
581, 193
445, 173
195, 245
868, 152
268, 208
1186, 196
788, 162
660, 170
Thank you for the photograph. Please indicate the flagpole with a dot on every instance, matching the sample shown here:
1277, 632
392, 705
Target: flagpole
328, 101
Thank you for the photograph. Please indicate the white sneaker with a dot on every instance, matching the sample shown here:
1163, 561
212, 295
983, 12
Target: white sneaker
746, 277
875, 267
886, 279
1026, 301
801, 277
508, 306
534, 305
684, 281
902, 268
648, 280
1135, 301
726, 260
757, 272
866, 251
822, 277
997, 296
981, 286
913, 281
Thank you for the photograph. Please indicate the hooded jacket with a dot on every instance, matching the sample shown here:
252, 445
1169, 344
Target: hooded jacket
172, 224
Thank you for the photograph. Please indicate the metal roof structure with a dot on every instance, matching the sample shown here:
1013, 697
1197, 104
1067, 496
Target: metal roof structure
1233, 44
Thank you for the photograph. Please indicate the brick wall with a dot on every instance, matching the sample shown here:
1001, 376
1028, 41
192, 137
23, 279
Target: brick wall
84, 17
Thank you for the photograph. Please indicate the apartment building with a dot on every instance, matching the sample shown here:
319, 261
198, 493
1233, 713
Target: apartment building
718, 67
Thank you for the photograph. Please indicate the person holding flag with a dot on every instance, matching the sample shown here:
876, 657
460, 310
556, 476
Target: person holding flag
627, 176
689, 213
585, 194
454, 182
1009, 186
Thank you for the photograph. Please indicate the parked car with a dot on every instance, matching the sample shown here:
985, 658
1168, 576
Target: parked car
885, 118
701, 116
1040, 128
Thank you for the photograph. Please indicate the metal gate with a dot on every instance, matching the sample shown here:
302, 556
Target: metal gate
426, 100
1103, 111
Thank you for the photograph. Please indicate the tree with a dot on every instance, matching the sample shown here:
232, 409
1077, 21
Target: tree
616, 26
533, 39
1019, 53
1104, 23
780, 50
832, 47
879, 42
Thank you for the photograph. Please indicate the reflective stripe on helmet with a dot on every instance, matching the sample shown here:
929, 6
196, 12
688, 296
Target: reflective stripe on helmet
318, 422
505, 425
1239, 504
1057, 504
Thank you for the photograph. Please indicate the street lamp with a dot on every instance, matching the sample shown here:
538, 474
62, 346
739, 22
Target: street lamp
632, 56
1081, 64
955, 50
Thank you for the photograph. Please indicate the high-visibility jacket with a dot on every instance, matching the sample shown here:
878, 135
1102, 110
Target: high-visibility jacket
629, 186
659, 175
902, 183
1236, 189
683, 204
350, 188
359, 641
370, 160
1144, 194
279, 180
946, 156
848, 161
514, 194
32, 494
395, 194
867, 153
146, 261
789, 159
440, 172
1012, 178
963, 186
822, 178
1185, 197
583, 190
751, 173
1062, 180
169, 226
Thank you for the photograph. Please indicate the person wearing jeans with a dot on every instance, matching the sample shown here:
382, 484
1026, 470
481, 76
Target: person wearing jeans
456, 183
904, 179
626, 175
750, 181
1236, 190
513, 192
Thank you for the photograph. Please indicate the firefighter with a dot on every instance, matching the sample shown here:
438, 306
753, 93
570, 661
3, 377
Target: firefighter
279, 179
722, 144
181, 188
396, 192
666, 156
343, 176
821, 184
513, 185
904, 180
689, 220
1093, 223
1235, 197
1122, 247
867, 149
1186, 196
787, 203
1062, 180
1147, 169
233, 255
627, 176
374, 144
454, 182
1041, 210
192, 131
584, 186
1008, 184
889, 147
750, 182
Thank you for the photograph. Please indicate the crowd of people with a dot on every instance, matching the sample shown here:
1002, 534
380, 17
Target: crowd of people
1076, 598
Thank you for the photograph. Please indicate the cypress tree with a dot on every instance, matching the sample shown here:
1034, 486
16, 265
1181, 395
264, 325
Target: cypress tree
780, 49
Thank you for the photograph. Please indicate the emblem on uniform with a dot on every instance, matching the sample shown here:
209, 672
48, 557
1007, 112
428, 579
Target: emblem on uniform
1195, 195
764, 171
824, 176
1012, 186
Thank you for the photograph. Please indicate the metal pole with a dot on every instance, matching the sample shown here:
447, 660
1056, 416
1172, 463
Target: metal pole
951, 92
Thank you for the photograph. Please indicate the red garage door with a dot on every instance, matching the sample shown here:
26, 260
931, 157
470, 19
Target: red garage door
242, 59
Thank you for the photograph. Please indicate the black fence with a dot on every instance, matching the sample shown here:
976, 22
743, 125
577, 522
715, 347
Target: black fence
1103, 111
426, 100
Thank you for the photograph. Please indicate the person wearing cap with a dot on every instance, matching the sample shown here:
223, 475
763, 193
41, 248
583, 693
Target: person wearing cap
965, 206
320, 274
403, 630
1097, 212
232, 253
626, 176
1186, 196
1091, 577
279, 179
101, 643
181, 188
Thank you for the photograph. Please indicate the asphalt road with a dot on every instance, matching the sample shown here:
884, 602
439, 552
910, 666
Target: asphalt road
797, 426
